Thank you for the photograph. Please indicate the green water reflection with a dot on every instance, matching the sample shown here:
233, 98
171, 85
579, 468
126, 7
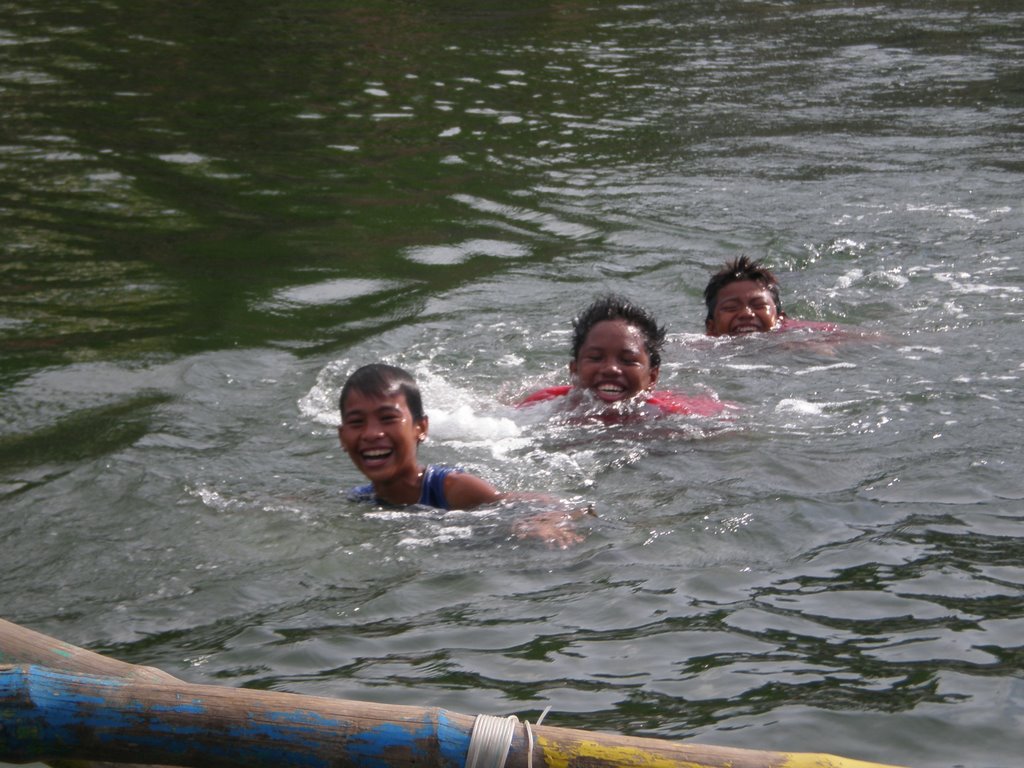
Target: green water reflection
173, 168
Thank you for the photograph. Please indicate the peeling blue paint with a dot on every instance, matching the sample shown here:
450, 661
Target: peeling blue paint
453, 740
72, 714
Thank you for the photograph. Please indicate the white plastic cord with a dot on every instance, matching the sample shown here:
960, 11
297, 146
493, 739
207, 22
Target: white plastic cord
529, 736
490, 741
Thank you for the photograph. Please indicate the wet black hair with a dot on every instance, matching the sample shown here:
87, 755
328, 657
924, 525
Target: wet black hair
615, 307
380, 379
742, 268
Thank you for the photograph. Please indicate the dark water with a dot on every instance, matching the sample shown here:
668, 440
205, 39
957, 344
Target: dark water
211, 212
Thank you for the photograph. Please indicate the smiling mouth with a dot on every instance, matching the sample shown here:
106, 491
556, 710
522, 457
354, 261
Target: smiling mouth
610, 392
747, 328
375, 456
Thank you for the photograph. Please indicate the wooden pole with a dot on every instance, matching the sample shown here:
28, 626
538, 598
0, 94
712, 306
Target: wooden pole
20, 645
49, 715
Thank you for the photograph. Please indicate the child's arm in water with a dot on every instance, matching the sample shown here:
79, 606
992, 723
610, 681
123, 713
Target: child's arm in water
465, 491
554, 527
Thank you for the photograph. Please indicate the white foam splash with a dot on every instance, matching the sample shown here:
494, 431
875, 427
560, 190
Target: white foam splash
819, 368
801, 407
441, 536
465, 424
320, 404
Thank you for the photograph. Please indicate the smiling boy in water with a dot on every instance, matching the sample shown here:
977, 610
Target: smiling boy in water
382, 426
743, 297
616, 361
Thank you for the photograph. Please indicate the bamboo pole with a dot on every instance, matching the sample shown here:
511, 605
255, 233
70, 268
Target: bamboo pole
53, 715
21, 645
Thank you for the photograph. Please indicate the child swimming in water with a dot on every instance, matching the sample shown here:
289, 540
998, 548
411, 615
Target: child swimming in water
616, 361
382, 426
743, 297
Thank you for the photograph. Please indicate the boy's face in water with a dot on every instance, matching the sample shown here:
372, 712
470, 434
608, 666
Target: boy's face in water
613, 362
743, 306
380, 435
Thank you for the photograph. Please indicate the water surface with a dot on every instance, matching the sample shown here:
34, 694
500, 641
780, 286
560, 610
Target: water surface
213, 212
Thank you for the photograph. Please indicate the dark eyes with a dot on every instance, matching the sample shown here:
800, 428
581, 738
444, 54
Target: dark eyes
732, 306
359, 421
622, 360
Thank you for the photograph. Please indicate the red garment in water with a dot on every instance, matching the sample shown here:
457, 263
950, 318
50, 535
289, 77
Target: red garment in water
667, 402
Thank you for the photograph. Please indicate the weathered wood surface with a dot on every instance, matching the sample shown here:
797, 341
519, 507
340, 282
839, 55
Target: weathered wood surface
21, 645
139, 715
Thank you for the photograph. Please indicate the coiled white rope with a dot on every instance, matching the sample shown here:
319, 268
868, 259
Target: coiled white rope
491, 740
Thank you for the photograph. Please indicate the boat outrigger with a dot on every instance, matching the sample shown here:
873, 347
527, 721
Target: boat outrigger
59, 702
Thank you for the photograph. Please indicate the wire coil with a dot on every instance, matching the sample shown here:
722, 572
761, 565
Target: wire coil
490, 741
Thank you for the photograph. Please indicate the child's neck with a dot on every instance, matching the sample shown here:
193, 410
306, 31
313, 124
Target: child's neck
404, 489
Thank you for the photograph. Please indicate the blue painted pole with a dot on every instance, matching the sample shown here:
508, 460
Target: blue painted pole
46, 715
